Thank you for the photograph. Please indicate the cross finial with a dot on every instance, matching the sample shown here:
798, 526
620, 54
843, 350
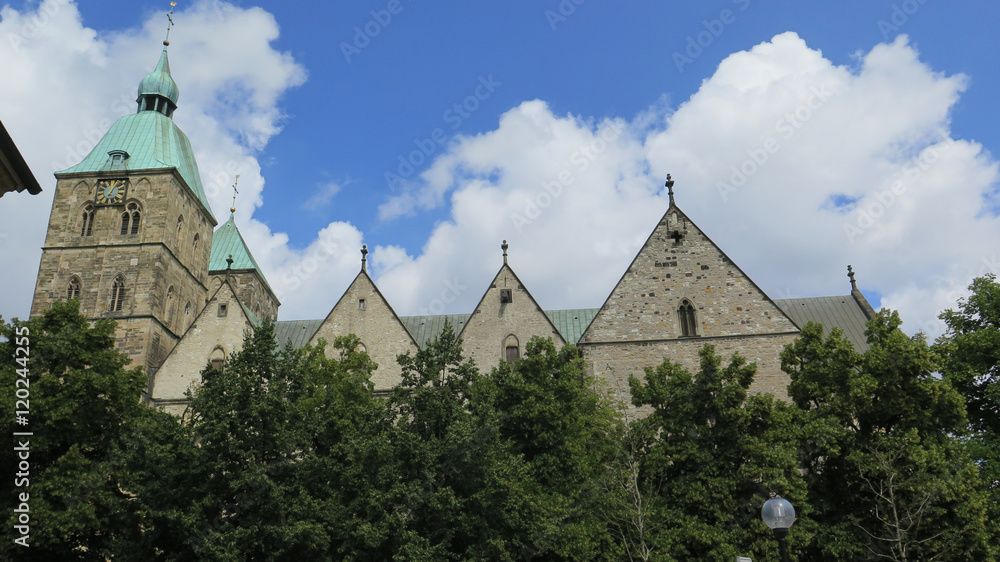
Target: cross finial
850, 274
229, 262
670, 189
170, 18
364, 257
504, 247
235, 192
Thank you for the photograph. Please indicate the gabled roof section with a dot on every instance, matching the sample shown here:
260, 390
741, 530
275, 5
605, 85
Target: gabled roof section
680, 262
833, 312
295, 333
425, 329
152, 141
571, 323
227, 241
520, 286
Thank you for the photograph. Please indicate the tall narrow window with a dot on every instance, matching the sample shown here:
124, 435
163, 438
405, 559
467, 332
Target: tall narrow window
686, 316
196, 237
130, 219
73, 292
511, 349
361, 304
169, 308
180, 223
506, 296
88, 221
118, 294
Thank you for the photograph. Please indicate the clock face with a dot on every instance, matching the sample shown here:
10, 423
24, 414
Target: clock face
111, 191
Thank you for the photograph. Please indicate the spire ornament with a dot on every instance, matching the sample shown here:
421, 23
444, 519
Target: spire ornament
670, 189
504, 247
364, 257
170, 18
850, 274
235, 193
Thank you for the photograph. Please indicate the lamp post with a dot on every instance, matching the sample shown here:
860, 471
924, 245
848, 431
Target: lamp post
778, 514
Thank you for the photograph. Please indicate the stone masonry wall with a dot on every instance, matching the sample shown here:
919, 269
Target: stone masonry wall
378, 327
484, 335
161, 256
182, 368
613, 363
644, 305
251, 290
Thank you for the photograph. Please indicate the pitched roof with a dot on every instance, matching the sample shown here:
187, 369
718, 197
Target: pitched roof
153, 142
833, 312
425, 329
295, 332
227, 241
572, 322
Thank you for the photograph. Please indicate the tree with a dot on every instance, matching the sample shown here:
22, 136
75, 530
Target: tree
716, 453
971, 352
83, 406
886, 475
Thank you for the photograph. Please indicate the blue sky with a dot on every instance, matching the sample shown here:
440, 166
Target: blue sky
268, 91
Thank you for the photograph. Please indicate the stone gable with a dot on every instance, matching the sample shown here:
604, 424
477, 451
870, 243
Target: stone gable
680, 263
216, 332
496, 324
364, 312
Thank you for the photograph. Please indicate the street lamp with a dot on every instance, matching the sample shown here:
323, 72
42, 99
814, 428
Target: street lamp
778, 514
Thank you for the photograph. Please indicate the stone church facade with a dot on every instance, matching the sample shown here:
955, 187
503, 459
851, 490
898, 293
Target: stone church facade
132, 236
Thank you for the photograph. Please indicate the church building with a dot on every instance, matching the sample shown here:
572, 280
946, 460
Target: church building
131, 235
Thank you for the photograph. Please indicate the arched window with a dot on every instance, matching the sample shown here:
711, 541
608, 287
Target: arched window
73, 291
196, 237
218, 358
511, 349
88, 221
686, 317
130, 218
180, 223
168, 309
362, 348
117, 294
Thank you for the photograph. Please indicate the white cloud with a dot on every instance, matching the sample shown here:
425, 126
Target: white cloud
575, 196
758, 154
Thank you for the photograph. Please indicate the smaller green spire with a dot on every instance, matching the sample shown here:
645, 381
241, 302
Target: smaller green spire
159, 82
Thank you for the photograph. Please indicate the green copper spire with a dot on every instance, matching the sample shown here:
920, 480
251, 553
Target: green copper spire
159, 82
228, 243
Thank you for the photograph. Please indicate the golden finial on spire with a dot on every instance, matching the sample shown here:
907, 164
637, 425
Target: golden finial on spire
235, 192
170, 18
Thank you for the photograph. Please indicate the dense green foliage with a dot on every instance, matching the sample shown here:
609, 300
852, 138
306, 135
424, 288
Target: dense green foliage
290, 455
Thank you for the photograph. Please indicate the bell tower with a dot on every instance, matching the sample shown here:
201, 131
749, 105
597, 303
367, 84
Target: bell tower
130, 231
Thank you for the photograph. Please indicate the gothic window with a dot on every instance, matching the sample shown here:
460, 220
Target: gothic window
187, 310
195, 245
506, 296
511, 349
117, 294
361, 348
88, 221
218, 358
73, 291
686, 316
180, 223
169, 308
130, 219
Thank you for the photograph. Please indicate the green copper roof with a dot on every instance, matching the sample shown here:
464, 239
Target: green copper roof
573, 322
159, 82
297, 333
153, 142
227, 241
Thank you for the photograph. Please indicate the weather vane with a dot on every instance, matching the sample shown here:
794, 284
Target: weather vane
235, 192
170, 18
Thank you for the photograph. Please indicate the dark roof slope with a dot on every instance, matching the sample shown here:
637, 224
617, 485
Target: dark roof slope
833, 312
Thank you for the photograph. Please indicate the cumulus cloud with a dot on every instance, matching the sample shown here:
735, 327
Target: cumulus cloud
793, 165
796, 167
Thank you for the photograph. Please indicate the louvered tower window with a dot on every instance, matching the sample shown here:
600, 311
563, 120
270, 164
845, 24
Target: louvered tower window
130, 219
118, 294
73, 291
88, 221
